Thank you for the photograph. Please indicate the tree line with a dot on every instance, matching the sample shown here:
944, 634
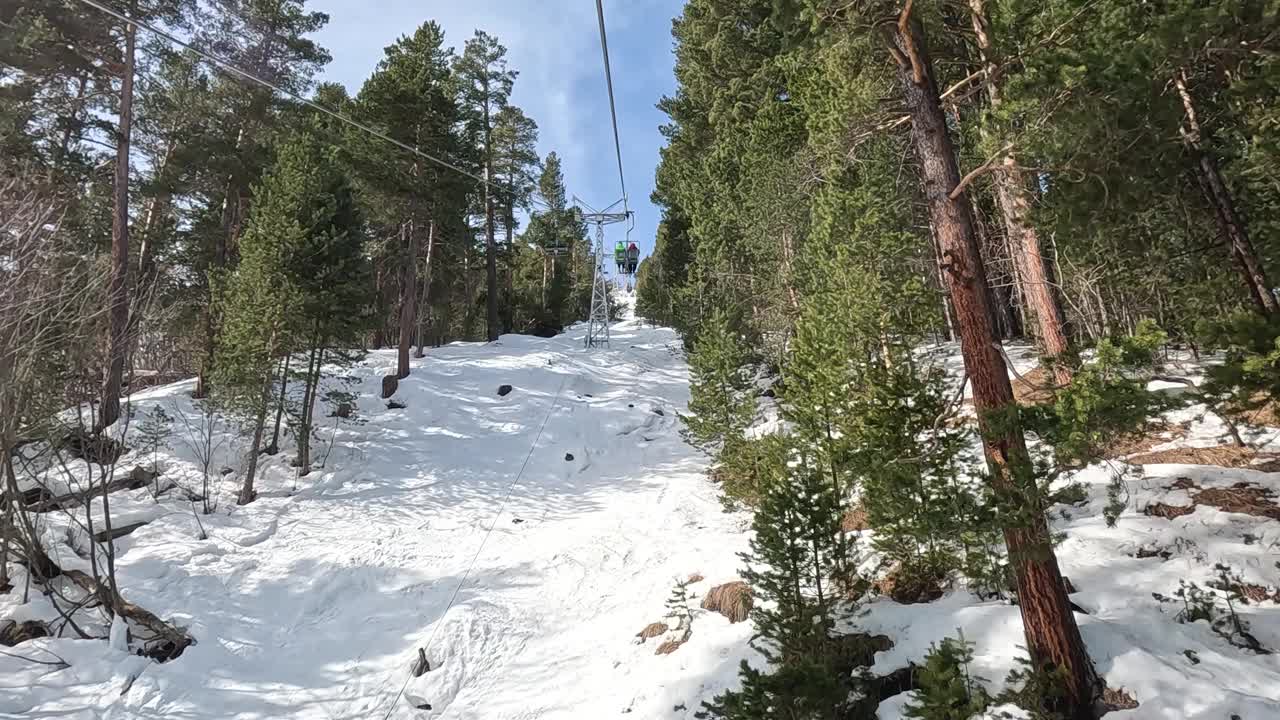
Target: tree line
171, 219
845, 183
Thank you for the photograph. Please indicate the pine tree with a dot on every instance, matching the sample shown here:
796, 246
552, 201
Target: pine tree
486, 85
945, 689
722, 400
796, 553
302, 211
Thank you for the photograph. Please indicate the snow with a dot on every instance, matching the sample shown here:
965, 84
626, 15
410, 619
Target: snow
312, 603
456, 525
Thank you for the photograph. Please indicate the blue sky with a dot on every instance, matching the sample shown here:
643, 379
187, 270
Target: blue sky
555, 46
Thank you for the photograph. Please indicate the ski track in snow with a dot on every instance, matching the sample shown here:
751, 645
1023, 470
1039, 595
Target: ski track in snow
312, 603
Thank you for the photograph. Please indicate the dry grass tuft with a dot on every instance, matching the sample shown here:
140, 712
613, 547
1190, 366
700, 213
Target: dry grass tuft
855, 519
1118, 699
732, 600
696, 578
652, 630
1168, 512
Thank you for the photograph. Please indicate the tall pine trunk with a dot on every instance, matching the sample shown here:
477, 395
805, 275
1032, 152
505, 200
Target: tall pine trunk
408, 294
1051, 632
1024, 241
118, 288
424, 295
274, 446
1234, 230
247, 492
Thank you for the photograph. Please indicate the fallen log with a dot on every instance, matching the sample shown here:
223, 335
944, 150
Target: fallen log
134, 480
117, 532
167, 642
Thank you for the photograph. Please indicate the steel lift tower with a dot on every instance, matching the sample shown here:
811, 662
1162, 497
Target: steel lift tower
598, 319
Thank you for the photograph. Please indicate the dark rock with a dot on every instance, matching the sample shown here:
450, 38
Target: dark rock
658, 411
343, 410
12, 633
568, 457
516, 521
225, 470
768, 393
390, 383
421, 666
142, 475
503, 390
631, 405
543, 330
395, 405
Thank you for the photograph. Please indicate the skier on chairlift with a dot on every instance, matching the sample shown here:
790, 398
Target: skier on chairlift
633, 258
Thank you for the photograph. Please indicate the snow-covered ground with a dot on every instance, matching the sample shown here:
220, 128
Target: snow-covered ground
523, 540
312, 602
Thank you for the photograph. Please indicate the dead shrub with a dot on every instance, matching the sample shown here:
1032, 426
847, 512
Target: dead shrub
732, 600
1118, 699
1168, 512
855, 519
652, 630
695, 578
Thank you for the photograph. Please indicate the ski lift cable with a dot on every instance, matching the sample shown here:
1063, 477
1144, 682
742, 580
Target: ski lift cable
613, 112
555, 401
231, 68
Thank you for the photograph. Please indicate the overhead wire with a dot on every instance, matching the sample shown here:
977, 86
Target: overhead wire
613, 111
231, 68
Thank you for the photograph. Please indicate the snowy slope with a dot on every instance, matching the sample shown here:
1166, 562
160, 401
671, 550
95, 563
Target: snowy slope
312, 603
460, 525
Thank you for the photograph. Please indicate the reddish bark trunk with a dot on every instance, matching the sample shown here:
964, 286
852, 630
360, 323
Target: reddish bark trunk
1051, 632
118, 288
1024, 240
1234, 230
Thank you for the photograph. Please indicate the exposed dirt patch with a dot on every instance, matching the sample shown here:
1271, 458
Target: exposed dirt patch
1035, 387
13, 632
909, 587
855, 519
732, 600
1118, 699
1168, 512
1266, 415
1142, 442
1230, 456
652, 630
1241, 498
